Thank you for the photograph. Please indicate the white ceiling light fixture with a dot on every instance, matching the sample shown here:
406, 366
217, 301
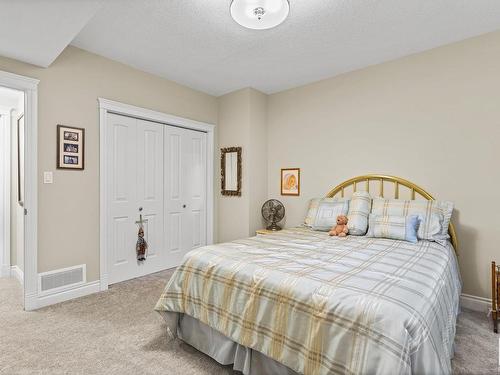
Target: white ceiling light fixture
259, 14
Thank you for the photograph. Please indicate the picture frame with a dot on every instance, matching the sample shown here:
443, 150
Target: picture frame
290, 181
20, 160
70, 148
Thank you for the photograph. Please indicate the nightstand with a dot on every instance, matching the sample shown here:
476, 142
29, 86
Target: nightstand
265, 231
495, 295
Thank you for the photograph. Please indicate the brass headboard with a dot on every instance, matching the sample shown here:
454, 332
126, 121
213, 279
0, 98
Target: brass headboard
380, 181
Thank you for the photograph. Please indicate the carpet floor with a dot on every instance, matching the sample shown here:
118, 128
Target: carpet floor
117, 332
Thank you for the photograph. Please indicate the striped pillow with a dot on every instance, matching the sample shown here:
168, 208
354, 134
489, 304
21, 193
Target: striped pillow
359, 209
327, 213
313, 209
394, 227
434, 215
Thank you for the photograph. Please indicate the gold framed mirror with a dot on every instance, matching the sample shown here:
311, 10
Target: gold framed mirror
230, 164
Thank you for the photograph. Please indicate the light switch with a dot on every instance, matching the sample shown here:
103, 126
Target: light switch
48, 178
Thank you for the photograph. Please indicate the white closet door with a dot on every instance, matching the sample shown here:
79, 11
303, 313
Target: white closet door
135, 163
150, 192
122, 196
195, 189
185, 192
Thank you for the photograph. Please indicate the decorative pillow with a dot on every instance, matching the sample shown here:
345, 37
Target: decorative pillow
313, 209
394, 227
359, 209
434, 215
327, 213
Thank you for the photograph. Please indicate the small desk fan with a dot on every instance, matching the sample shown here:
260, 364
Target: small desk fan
273, 212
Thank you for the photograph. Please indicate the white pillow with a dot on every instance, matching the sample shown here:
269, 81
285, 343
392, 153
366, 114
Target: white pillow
359, 209
327, 213
434, 215
313, 209
394, 227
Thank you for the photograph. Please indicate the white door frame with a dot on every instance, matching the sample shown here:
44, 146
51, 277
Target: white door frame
30, 88
105, 106
5, 124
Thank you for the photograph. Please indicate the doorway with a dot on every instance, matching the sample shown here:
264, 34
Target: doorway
12, 130
156, 171
158, 179
18, 184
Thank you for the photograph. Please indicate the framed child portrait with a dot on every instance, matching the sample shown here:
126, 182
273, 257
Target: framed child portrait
290, 181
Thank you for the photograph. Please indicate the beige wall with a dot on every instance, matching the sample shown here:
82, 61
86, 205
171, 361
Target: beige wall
233, 128
68, 222
433, 118
258, 158
242, 122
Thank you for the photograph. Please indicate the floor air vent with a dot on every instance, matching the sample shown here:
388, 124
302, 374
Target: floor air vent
58, 280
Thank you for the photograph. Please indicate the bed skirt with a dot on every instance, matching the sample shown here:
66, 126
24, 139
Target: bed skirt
225, 351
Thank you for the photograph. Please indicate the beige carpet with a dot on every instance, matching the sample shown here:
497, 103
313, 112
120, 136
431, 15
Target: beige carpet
117, 332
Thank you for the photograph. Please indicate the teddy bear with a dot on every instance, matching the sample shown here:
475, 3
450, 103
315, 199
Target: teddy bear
340, 229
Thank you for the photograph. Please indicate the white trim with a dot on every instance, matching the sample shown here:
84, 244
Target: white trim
16, 81
210, 186
30, 88
103, 204
5, 170
105, 106
17, 273
149, 114
71, 293
475, 303
42, 293
31, 196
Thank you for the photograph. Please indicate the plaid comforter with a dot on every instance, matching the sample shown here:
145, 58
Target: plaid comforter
326, 305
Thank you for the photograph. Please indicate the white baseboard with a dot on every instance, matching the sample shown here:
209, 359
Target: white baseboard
5, 270
475, 303
17, 273
65, 295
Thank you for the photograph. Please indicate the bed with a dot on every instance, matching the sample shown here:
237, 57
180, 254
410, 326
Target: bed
301, 302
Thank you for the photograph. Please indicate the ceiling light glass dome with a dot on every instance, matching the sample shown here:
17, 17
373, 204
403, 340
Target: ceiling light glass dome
259, 14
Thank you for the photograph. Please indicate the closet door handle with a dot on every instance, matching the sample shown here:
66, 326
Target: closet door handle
183, 206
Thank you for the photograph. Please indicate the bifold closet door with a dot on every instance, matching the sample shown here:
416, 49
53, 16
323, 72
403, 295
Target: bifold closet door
134, 187
185, 192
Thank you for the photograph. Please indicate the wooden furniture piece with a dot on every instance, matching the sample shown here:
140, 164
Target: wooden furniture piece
265, 231
495, 295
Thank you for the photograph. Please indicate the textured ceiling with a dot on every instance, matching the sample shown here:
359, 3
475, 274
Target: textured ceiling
196, 43
37, 31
